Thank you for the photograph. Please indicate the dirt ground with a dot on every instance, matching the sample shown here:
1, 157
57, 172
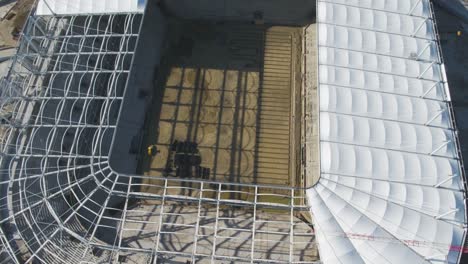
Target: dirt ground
14, 15
228, 88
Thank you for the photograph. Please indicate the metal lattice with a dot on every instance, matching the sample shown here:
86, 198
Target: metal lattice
61, 202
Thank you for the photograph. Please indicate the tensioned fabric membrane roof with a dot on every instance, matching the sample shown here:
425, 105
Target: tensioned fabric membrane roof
391, 187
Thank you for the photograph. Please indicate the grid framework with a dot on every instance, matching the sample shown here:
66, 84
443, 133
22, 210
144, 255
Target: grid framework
62, 201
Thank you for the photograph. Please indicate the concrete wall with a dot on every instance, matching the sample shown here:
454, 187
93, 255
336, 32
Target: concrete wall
274, 11
138, 94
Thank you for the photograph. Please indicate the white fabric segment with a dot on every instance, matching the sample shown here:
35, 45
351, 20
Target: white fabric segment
389, 22
389, 163
382, 82
377, 133
355, 224
66, 7
413, 7
336, 246
377, 42
384, 106
378, 63
428, 201
401, 222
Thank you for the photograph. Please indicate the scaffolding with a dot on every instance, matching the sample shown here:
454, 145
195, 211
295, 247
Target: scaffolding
61, 202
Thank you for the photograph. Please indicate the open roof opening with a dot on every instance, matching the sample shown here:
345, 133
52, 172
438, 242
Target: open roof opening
219, 87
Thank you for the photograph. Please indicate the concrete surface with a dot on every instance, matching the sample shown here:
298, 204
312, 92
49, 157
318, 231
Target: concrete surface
311, 112
126, 143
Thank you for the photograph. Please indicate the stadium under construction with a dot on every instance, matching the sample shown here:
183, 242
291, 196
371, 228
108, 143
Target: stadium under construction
221, 131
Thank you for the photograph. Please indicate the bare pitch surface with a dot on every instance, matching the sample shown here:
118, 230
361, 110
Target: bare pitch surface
226, 92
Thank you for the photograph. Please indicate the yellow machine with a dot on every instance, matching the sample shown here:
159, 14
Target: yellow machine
152, 150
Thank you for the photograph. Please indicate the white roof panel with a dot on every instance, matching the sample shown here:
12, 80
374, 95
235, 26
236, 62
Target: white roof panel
389, 165
372, 62
377, 42
65, 7
390, 180
377, 133
413, 7
385, 106
382, 82
376, 20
